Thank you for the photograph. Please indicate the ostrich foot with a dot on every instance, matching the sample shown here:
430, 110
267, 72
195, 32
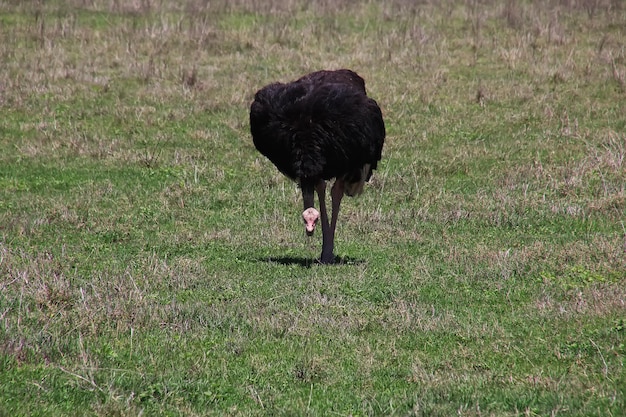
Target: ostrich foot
327, 258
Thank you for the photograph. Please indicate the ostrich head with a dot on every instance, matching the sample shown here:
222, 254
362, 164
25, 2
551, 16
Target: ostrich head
310, 217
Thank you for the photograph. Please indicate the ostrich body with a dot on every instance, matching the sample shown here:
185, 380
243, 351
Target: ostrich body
319, 127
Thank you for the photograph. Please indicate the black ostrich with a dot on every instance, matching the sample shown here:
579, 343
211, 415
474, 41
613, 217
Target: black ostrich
319, 127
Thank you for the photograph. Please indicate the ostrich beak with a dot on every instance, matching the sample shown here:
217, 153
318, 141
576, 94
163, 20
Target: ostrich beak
310, 217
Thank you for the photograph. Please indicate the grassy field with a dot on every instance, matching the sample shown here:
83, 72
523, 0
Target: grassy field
153, 263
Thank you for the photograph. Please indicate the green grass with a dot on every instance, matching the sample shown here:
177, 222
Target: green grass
153, 263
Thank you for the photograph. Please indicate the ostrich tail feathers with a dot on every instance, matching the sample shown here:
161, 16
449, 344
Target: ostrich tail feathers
356, 181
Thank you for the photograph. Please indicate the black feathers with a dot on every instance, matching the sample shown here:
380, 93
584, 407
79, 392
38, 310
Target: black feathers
319, 127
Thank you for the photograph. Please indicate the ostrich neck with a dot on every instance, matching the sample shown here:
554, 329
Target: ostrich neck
308, 197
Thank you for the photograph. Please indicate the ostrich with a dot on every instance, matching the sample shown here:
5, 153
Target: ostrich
319, 127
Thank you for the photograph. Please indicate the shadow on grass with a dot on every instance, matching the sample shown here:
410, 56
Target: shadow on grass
308, 262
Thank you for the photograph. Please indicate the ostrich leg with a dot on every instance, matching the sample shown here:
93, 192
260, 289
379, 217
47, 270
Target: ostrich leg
327, 256
336, 194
